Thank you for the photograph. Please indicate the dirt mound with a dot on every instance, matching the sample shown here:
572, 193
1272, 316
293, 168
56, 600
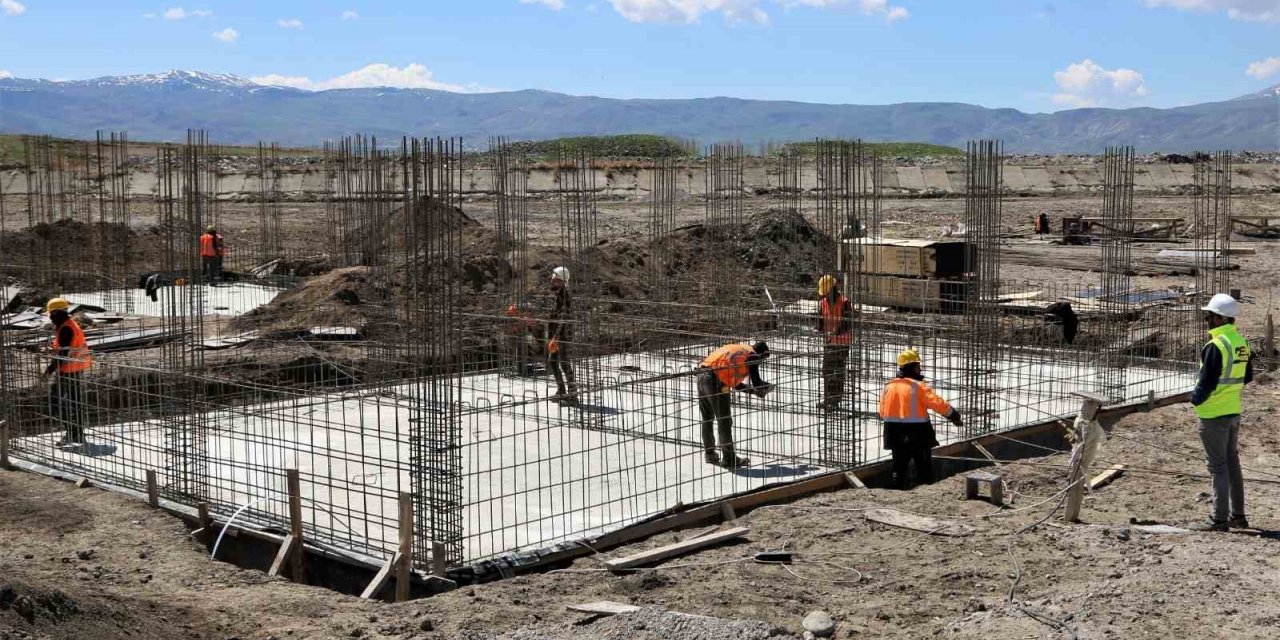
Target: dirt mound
342, 297
66, 237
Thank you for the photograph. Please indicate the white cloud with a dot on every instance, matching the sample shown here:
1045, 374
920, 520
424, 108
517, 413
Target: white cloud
178, 13
350, 15
289, 23
227, 35
691, 11
554, 5
12, 7
1264, 69
5, 74
1085, 84
1248, 10
410, 76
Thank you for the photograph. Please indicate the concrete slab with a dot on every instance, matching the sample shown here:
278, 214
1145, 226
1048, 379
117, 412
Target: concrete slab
227, 299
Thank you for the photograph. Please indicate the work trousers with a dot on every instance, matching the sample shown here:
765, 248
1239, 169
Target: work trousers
910, 443
713, 406
212, 268
835, 357
558, 363
67, 405
1221, 438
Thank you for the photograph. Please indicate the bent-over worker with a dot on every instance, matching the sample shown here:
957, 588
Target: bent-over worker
908, 432
1226, 365
834, 311
71, 358
212, 250
725, 370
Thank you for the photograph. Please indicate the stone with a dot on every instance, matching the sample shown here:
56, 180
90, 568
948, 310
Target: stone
819, 624
427, 625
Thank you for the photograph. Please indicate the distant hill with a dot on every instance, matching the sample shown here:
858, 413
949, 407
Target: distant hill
236, 111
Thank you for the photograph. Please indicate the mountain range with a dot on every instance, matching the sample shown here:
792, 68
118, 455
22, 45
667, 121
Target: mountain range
235, 110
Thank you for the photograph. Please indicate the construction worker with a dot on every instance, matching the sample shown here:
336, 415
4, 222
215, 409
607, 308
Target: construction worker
908, 433
71, 358
834, 312
212, 250
1226, 365
559, 332
726, 369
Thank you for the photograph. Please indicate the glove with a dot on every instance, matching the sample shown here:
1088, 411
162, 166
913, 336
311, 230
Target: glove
955, 418
763, 391
553, 346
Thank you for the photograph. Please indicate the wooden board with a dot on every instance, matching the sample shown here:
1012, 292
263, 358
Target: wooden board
672, 550
282, 556
603, 608
935, 526
380, 579
1106, 476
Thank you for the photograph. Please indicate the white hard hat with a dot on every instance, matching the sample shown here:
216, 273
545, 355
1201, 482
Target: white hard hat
1223, 305
560, 273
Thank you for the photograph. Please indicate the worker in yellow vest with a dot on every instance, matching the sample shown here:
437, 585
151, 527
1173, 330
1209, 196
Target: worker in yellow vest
908, 432
1226, 365
725, 370
71, 359
836, 326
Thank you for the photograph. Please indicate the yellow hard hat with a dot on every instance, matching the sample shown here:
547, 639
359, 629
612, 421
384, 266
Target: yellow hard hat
907, 357
826, 284
211, 229
57, 304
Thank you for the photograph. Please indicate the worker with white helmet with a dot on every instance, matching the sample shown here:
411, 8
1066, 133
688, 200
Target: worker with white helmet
908, 432
1226, 365
71, 359
559, 331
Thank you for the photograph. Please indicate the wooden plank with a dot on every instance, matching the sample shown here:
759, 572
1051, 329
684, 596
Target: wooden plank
298, 559
672, 550
854, 480
439, 560
603, 608
4, 445
935, 526
405, 555
153, 490
381, 577
986, 454
288, 549
726, 510
1106, 476
83, 483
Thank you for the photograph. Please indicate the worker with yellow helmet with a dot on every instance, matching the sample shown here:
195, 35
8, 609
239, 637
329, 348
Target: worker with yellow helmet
70, 361
908, 432
213, 249
836, 326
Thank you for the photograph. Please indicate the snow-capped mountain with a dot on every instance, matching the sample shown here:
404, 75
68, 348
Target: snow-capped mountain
1270, 92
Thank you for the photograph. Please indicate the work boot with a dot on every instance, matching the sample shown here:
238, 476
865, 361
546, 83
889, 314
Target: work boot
1238, 522
1209, 525
733, 462
712, 458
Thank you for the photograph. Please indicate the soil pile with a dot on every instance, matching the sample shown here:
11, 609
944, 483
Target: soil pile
68, 238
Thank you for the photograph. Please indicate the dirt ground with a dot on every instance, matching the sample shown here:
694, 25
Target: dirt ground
83, 563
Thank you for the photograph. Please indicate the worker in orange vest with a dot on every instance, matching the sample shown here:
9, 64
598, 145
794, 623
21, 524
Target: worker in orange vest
726, 369
908, 432
559, 331
212, 250
836, 326
70, 360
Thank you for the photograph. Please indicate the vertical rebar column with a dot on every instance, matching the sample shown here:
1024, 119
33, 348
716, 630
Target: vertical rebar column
1211, 204
724, 193
1117, 230
662, 221
979, 354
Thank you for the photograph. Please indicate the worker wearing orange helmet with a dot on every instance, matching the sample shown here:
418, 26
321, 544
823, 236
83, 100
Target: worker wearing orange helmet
71, 359
836, 326
908, 432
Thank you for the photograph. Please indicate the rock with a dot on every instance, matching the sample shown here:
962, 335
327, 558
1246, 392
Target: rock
819, 624
427, 625
1122, 535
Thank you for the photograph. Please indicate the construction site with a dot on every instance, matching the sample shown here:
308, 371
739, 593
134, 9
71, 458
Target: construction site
361, 399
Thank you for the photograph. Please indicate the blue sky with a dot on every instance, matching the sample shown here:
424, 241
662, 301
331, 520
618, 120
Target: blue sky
1027, 54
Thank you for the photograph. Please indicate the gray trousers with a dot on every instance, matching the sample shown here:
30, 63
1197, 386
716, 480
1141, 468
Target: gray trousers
1221, 437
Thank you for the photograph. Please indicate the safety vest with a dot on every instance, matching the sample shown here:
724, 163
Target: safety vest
210, 246
832, 318
907, 400
730, 363
78, 356
1234, 349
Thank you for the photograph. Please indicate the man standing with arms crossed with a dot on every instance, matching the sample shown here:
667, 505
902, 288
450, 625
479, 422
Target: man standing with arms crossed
1226, 365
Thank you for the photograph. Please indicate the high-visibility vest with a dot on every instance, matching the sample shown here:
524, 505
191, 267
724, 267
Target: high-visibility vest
210, 246
78, 356
832, 318
730, 363
1234, 349
907, 400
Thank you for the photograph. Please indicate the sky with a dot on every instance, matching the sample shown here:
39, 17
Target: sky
1031, 55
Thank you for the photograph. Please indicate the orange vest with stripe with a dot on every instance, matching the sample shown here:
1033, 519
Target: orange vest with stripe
730, 363
209, 246
78, 356
907, 400
832, 318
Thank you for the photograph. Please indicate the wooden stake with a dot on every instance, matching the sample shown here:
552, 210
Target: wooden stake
153, 491
287, 549
403, 577
4, 445
726, 510
439, 560
297, 565
380, 579
1270, 343
854, 481
1089, 408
